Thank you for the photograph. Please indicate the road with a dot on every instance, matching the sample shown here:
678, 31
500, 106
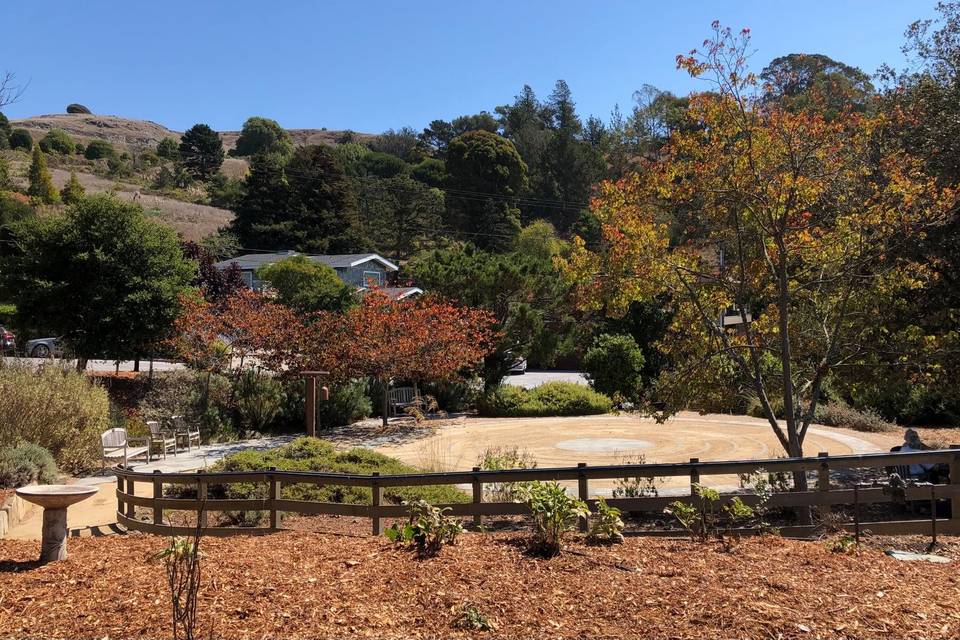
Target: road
101, 365
532, 378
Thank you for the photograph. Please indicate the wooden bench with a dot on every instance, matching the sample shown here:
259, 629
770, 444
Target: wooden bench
116, 445
401, 398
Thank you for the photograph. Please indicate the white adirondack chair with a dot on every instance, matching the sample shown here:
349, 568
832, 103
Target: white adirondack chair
166, 440
117, 446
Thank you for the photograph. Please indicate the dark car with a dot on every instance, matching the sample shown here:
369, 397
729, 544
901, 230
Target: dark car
8, 341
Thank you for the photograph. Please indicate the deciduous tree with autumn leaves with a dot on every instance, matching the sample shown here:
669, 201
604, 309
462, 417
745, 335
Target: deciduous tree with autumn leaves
803, 225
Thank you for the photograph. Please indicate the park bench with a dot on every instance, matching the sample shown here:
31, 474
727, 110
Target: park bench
116, 445
162, 438
401, 398
184, 431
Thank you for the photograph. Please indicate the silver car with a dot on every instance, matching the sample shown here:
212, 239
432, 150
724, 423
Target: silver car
44, 348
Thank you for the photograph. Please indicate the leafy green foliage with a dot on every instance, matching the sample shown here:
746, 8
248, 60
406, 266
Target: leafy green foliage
259, 399
499, 459
613, 365
607, 524
57, 409
201, 151
57, 141
399, 215
21, 139
554, 514
263, 135
306, 286
550, 399
348, 403
99, 149
168, 149
41, 187
73, 191
103, 275
26, 463
472, 619
429, 529
701, 520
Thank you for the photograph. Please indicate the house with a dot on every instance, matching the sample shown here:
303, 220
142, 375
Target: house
361, 270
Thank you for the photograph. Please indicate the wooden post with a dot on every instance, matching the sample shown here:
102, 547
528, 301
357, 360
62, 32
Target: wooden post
477, 498
157, 494
583, 493
955, 480
201, 500
694, 476
274, 496
377, 492
823, 481
120, 501
311, 410
131, 490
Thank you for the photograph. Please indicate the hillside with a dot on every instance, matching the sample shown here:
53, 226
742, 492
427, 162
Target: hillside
133, 132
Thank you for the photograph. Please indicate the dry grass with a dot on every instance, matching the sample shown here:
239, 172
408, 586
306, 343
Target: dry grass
312, 585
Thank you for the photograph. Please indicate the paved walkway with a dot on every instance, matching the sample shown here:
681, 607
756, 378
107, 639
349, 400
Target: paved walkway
96, 515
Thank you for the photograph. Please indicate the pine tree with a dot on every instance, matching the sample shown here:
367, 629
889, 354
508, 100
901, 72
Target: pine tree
41, 184
4, 174
73, 191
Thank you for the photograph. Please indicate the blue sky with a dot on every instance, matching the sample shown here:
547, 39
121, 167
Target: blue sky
369, 66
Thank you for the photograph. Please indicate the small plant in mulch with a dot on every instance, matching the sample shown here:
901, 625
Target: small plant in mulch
469, 617
429, 529
702, 521
181, 559
607, 524
554, 514
843, 543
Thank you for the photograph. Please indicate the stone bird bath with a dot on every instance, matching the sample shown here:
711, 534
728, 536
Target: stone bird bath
55, 498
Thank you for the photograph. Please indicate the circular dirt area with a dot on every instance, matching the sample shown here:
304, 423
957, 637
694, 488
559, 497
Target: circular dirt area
619, 439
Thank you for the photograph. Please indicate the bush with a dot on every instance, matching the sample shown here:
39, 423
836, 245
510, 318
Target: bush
837, 414
77, 108
21, 139
57, 141
348, 403
607, 524
550, 399
168, 149
499, 459
58, 409
554, 514
429, 529
259, 399
98, 149
26, 463
312, 454
613, 365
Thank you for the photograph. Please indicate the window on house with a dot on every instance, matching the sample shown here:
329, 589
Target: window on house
374, 277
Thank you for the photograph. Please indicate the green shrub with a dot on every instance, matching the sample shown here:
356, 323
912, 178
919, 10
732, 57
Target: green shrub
312, 454
607, 524
347, 404
98, 149
168, 149
550, 399
429, 529
57, 141
21, 139
58, 409
554, 514
26, 463
499, 459
837, 414
259, 399
613, 365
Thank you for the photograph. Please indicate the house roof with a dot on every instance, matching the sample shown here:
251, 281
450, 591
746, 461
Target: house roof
399, 293
252, 261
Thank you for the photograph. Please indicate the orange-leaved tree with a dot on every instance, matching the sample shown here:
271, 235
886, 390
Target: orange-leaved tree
797, 252
421, 339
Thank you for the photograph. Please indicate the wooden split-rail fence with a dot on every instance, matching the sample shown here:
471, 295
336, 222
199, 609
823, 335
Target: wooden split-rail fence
823, 496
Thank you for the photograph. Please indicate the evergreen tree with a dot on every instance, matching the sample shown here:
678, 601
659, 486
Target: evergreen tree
4, 174
201, 151
73, 191
485, 177
261, 217
41, 184
321, 205
5, 131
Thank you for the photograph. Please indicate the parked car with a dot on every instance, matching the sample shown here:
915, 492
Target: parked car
519, 366
8, 341
44, 348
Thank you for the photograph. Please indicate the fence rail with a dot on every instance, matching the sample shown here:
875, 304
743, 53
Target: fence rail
823, 496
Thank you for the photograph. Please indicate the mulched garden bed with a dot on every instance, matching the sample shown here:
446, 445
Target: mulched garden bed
298, 584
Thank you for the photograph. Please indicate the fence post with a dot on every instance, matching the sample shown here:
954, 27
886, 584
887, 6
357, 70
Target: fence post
694, 476
120, 500
477, 497
274, 496
583, 493
955, 480
201, 500
823, 481
157, 494
131, 490
377, 492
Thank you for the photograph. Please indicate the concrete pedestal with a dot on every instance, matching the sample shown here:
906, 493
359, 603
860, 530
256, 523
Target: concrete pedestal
53, 545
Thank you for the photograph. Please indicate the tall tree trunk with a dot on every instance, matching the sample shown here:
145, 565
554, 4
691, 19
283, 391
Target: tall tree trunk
81, 364
136, 364
386, 402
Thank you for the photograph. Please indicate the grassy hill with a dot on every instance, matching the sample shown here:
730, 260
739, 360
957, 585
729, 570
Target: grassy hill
130, 132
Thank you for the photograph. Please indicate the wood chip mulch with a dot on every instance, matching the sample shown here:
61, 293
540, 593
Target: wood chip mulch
299, 584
